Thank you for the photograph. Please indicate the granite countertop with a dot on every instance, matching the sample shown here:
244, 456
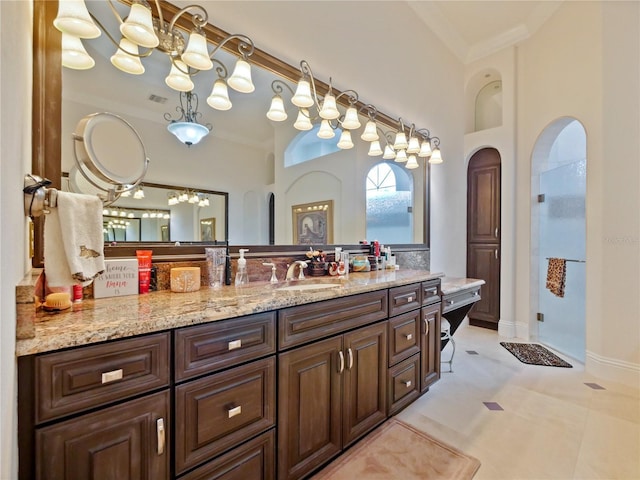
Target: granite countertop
104, 319
451, 285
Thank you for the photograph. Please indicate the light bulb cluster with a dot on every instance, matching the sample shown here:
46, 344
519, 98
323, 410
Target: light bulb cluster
159, 214
116, 225
141, 30
188, 196
118, 212
305, 98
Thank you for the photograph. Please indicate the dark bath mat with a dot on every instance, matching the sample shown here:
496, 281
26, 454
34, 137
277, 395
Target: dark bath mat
534, 354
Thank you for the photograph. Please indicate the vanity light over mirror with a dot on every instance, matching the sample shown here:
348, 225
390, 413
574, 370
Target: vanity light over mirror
244, 153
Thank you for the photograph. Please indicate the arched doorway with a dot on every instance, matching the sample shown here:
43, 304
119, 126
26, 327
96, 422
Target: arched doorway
483, 234
559, 178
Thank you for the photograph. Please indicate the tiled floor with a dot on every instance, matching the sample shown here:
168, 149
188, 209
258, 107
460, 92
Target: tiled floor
530, 422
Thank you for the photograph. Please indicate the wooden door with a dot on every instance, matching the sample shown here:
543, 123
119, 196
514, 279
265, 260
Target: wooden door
126, 442
430, 343
309, 408
365, 373
483, 234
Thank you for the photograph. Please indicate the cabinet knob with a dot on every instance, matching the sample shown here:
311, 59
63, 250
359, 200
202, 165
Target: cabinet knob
235, 411
409, 336
233, 344
160, 435
407, 383
111, 376
451, 302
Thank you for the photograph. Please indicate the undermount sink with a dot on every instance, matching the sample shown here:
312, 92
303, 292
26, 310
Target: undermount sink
308, 286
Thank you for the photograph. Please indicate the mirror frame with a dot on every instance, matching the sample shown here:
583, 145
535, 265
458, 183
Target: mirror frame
47, 100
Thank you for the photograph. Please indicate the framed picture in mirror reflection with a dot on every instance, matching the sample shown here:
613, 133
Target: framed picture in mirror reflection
313, 223
208, 229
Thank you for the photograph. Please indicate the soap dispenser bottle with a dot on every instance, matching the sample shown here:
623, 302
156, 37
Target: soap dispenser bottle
241, 274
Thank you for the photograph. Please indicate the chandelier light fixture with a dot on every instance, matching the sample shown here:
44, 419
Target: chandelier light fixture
142, 34
188, 196
186, 128
326, 112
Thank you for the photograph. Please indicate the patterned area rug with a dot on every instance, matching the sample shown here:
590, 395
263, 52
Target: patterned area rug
534, 354
396, 451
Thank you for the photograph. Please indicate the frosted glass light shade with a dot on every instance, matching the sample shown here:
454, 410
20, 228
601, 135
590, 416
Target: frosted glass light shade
188, 133
351, 120
276, 111
389, 153
401, 156
370, 132
425, 149
74, 54
126, 62
329, 111
303, 122
414, 145
436, 156
412, 162
196, 55
240, 79
374, 149
345, 141
73, 18
302, 98
219, 98
401, 141
138, 27
177, 79
326, 131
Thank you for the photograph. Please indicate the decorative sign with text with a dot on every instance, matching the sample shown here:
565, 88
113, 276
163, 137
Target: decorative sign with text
120, 277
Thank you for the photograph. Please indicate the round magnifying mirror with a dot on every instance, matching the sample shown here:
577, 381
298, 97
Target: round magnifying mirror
109, 153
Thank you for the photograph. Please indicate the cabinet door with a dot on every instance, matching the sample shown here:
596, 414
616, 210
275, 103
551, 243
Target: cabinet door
365, 373
483, 197
484, 262
309, 396
125, 442
430, 361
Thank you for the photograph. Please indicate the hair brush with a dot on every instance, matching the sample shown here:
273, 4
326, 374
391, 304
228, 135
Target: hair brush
57, 301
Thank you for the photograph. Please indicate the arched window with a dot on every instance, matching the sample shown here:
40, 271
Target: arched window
307, 146
389, 192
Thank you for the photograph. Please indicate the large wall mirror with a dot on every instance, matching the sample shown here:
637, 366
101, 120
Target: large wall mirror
242, 158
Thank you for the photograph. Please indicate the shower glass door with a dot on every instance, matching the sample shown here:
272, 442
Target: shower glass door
562, 235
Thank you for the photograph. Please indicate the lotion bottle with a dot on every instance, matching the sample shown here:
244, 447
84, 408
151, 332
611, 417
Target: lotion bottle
241, 274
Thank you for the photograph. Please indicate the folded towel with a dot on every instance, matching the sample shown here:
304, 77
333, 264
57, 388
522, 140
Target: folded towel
556, 276
73, 240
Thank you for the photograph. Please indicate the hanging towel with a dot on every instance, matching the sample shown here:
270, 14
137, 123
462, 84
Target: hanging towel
556, 276
73, 240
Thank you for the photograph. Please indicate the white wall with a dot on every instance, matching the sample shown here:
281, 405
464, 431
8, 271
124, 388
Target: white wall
589, 70
15, 161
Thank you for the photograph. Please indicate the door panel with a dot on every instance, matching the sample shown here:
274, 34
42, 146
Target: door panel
484, 262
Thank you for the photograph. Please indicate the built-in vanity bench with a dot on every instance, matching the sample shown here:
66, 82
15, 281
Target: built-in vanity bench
207, 384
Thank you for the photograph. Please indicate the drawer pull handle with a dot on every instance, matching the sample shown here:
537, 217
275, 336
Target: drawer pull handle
409, 299
451, 302
476, 293
341, 361
235, 344
235, 411
160, 435
407, 383
111, 376
350, 354
426, 326
409, 336
433, 292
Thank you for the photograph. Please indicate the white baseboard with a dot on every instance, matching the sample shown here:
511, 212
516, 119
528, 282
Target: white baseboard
507, 329
612, 369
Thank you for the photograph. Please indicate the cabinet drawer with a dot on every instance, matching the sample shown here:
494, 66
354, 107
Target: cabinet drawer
253, 460
75, 380
404, 336
216, 413
130, 440
305, 323
217, 345
404, 384
404, 299
459, 299
431, 291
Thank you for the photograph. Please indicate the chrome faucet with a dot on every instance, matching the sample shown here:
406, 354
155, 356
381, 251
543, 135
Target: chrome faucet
292, 268
274, 279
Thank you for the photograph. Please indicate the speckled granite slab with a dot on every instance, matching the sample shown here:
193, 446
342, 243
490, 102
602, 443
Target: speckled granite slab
112, 318
451, 285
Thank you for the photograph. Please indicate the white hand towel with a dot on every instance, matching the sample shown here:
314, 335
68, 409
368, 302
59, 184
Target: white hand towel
73, 240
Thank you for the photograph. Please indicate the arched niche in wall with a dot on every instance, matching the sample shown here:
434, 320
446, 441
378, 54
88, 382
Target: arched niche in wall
483, 101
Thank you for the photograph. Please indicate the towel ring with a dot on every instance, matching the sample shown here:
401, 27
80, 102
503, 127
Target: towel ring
109, 154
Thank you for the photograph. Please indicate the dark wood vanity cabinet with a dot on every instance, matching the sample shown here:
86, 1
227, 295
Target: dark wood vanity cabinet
430, 346
331, 392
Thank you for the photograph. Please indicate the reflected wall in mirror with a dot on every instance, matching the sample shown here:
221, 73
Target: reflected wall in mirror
243, 155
